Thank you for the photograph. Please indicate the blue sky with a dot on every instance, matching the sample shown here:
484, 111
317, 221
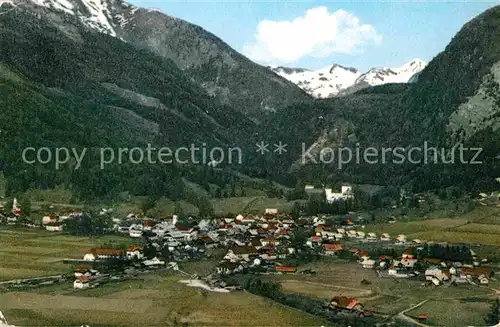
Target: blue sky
364, 34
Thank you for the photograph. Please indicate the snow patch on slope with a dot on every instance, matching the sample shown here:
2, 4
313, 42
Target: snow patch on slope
99, 13
59, 5
94, 14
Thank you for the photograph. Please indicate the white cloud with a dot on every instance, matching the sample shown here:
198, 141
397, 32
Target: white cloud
318, 33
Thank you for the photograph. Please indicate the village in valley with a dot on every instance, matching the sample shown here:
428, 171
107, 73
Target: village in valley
342, 268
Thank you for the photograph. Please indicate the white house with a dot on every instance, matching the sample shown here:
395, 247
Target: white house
270, 211
239, 253
101, 254
134, 252
54, 227
49, 219
401, 238
438, 274
360, 235
135, 233
483, 280
385, 237
12, 220
352, 233
371, 237
155, 262
269, 241
82, 282
367, 263
226, 268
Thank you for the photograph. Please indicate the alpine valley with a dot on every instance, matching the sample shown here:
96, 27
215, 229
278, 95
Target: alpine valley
82, 73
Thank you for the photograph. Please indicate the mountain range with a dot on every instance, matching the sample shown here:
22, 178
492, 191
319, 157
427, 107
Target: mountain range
338, 80
95, 73
202, 56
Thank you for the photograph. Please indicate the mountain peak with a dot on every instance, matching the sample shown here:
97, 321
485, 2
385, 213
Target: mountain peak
336, 66
287, 70
415, 65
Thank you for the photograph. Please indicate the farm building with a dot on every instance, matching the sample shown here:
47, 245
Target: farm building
100, 254
343, 302
286, 269
332, 249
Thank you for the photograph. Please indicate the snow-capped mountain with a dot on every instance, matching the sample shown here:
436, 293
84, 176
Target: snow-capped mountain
338, 80
378, 76
320, 83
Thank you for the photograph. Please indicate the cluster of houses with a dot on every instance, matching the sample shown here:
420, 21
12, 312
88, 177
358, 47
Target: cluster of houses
259, 242
11, 217
252, 241
348, 232
264, 242
456, 273
53, 222
332, 240
437, 272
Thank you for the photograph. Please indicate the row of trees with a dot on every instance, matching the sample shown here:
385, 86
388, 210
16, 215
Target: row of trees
88, 225
446, 253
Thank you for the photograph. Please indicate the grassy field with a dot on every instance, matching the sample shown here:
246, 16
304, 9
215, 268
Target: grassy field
222, 207
155, 300
386, 296
453, 312
158, 300
480, 226
30, 252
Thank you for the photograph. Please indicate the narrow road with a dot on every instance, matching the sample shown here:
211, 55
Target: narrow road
249, 203
24, 280
402, 315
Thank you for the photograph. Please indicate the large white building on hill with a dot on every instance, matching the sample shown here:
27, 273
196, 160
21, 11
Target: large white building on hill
346, 193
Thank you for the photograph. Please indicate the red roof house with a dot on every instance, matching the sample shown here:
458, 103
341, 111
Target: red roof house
288, 269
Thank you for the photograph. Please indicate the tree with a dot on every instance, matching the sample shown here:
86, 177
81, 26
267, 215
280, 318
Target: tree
296, 211
148, 204
3, 185
178, 210
218, 192
8, 206
493, 317
87, 225
299, 238
149, 251
25, 206
205, 208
